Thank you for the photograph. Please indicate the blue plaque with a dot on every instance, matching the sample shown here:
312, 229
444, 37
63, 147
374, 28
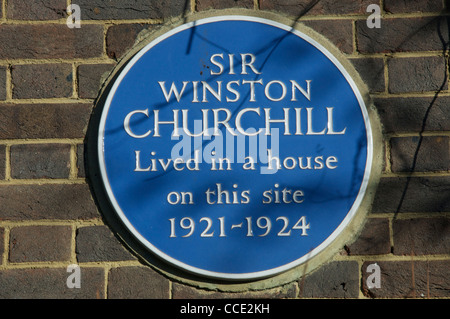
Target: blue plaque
235, 147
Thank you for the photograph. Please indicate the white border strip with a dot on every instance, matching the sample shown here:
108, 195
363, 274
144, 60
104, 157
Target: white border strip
232, 276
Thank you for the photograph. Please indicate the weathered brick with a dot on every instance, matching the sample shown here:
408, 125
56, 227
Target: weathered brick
406, 279
51, 283
40, 161
26, 121
298, 8
90, 79
80, 161
414, 114
421, 236
2, 244
50, 41
2, 83
427, 153
403, 6
98, 243
223, 4
48, 201
137, 283
2, 161
415, 194
40, 243
339, 32
37, 81
402, 34
373, 240
371, 71
36, 10
333, 280
120, 38
180, 291
417, 74
131, 9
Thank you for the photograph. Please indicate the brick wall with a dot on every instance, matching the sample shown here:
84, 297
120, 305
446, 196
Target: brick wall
50, 77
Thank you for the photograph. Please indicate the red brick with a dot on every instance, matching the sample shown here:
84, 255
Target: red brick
36, 10
403, 6
40, 243
40, 161
417, 74
136, 283
90, 79
298, 8
414, 195
2, 244
37, 81
2, 161
339, 32
407, 279
373, 240
51, 283
421, 236
131, 9
29, 121
98, 243
332, 280
223, 4
120, 38
371, 71
414, 114
402, 34
420, 154
50, 41
2, 83
48, 201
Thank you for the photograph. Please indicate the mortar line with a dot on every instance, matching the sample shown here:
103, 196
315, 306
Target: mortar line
23, 61
47, 101
426, 94
41, 181
73, 173
360, 282
73, 253
74, 81
9, 85
417, 174
391, 233
397, 54
417, 134
106, 269
386, 75
42, 141
7, 163
105, 46
412, 215
255, 4
392, 257
63, 21
387, 156
6, 235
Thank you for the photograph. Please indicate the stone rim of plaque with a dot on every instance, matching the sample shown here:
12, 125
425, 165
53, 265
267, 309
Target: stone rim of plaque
353, 223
